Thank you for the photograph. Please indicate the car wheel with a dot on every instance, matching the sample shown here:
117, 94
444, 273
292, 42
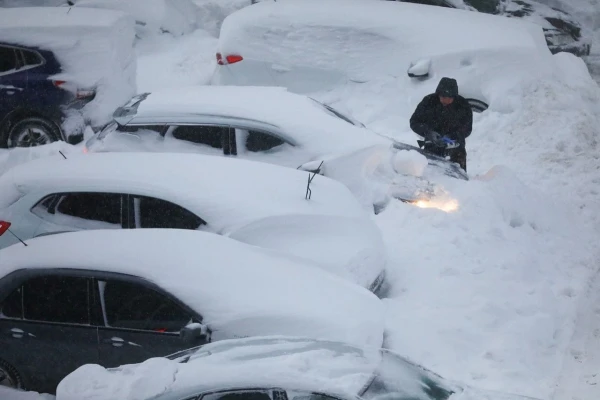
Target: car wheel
477, 106
9, 376
31, 132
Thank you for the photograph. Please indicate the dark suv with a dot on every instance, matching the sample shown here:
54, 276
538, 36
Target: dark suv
33, 106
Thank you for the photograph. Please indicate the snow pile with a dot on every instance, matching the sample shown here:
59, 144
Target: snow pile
167, 62
94, 48
409, 163
13, 157
177, 17
486, 295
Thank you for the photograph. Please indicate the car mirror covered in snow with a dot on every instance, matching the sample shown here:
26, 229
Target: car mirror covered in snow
419, 68
193, 333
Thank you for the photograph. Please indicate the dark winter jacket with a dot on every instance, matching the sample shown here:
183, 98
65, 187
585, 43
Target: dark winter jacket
454, 120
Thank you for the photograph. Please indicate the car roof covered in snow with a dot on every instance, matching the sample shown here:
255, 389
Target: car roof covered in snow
60, 18
258, 362
300, 119
237, 288
226, 193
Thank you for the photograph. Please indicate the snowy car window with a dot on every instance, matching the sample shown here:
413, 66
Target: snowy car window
8, 59
155, 213
12, 306
57, 299
240, 395
213, 136
132, 306
101, 210
257, 141
32, 58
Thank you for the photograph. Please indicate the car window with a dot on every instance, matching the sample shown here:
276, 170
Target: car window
12, 306
84, 210
8, 59
133, 306
302, 395
62, 299
485, 6
240, 395
155, 213
212, 136
257, 141
140, 128
31, 58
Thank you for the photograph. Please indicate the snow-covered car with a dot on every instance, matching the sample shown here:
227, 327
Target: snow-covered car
120, 297
252, 202
563, 32
315, 45
276, 126
83, 52
271, 368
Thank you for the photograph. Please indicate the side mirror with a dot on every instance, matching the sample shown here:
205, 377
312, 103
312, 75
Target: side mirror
419, 68
194, 332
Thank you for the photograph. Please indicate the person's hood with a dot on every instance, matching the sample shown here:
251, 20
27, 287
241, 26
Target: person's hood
448, 87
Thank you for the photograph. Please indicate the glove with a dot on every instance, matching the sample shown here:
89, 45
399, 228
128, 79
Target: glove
436, 139
448, 142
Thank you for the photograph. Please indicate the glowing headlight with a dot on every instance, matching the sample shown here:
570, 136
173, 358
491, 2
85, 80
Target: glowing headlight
444, 205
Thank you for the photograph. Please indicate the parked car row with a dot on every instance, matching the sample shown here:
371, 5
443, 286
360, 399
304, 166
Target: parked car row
221, 236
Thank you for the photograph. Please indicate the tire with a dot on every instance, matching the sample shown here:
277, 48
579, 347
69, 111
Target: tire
9, 377
31, 132
477, 106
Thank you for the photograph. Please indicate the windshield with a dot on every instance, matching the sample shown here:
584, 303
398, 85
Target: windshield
399, 379
484, 6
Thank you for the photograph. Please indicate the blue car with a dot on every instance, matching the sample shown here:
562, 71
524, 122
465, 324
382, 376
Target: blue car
32, 105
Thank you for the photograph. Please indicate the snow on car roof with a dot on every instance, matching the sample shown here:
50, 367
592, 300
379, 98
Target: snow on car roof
287, 362
57, 18
225, 192
365, 39
303, 120
238, 289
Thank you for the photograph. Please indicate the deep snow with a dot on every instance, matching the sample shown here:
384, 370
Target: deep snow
492, 293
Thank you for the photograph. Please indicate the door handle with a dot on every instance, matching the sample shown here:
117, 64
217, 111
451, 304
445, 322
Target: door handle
115, 341
17, 333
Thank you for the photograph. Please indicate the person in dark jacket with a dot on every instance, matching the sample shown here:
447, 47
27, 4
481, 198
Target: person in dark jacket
444, 113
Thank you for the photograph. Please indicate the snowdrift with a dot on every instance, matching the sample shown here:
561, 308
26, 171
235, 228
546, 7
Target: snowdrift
94, 47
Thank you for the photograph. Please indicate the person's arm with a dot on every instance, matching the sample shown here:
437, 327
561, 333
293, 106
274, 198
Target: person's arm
466, 122
418, 121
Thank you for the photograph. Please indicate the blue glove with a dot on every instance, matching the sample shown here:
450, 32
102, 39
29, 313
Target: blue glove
448, 141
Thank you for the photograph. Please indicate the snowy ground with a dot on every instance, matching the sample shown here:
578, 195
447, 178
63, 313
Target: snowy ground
500, 294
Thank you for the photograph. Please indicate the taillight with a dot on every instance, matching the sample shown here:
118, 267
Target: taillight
4, 225
230, 59
59, 83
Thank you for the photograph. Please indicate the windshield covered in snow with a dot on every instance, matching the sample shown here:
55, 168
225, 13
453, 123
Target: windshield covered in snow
332, 111
399, 379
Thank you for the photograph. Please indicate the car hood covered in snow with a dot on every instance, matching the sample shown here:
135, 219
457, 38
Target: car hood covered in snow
239, 290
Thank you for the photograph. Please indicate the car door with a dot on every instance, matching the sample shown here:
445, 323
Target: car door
214, 139
13, 80
139, 321
73, 211
45, 330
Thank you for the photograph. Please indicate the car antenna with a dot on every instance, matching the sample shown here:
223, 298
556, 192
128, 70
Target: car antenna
310, 179
61, 153
11, 232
